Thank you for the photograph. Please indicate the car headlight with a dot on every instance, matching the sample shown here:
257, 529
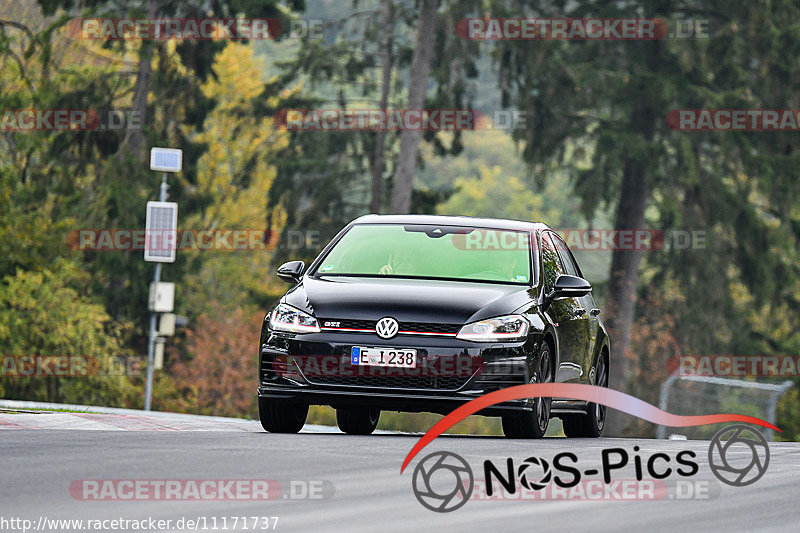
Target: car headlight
503, 328
287, 318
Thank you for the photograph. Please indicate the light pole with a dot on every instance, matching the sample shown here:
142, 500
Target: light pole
148, 394
160, 247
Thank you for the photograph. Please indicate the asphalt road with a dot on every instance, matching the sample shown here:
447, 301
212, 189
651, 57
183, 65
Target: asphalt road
363, 489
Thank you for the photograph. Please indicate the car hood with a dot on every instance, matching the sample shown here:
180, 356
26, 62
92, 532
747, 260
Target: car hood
435, 301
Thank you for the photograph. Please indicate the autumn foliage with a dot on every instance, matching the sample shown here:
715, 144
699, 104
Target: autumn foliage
218, 374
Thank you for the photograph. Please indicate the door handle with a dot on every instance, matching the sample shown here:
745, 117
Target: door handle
580, 311
594, 312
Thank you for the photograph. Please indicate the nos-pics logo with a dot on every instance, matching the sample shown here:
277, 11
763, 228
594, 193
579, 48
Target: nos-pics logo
443, 481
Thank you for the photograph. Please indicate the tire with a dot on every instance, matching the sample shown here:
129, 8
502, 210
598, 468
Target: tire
533, 425
280, 416
591, 424
356, 421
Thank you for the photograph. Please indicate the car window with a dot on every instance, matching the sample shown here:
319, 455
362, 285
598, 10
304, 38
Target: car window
431, 252
551, 264
570, 266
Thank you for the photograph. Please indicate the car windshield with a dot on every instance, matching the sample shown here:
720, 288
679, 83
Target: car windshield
431, 252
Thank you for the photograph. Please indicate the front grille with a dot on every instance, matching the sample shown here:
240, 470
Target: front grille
349, 324
423, 327
419, 327
439, 383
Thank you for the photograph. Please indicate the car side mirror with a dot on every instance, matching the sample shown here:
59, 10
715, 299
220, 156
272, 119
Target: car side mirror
292, 271
567, 286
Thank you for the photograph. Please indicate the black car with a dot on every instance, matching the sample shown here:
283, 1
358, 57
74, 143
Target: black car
424, 313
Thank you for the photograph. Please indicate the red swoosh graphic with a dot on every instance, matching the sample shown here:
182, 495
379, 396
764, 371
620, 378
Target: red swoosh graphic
590, 393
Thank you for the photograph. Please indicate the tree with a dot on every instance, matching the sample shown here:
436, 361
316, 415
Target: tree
494, 194
612, 97
53, 182
378, 160
218, 378
417, 89
196, 55
45, 314
233, 177
331, 177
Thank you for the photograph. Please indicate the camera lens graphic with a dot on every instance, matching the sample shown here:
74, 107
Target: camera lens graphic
527, 477
738, 455
443, 482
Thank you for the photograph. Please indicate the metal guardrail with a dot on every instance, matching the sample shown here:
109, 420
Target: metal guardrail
777, 391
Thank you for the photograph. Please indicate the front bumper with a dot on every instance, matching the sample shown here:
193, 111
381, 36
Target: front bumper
315, 369
385, 401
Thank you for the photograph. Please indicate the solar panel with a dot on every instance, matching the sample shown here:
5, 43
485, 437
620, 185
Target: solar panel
166, 159
161, 232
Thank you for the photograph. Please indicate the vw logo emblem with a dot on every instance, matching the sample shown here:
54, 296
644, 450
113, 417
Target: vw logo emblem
742, 458
387, 327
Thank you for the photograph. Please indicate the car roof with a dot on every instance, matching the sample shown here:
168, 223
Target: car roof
441, 220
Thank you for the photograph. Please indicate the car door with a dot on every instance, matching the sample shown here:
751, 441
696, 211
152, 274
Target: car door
565, 315
587, 313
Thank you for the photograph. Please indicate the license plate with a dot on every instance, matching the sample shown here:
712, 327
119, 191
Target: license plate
391, 357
